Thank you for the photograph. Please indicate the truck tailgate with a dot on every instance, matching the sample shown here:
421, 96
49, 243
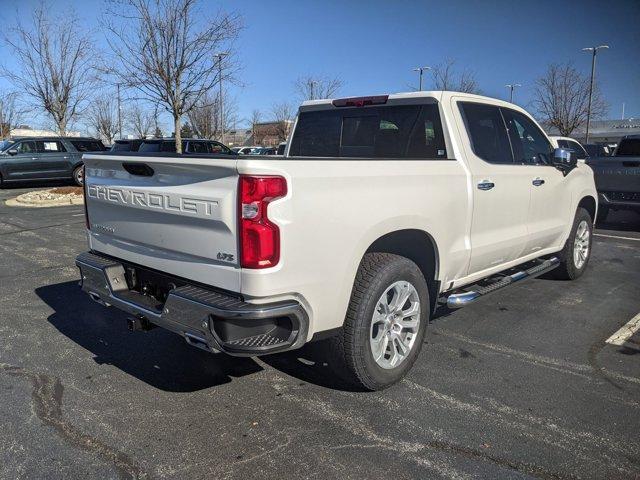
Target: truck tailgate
616, 174
174, 214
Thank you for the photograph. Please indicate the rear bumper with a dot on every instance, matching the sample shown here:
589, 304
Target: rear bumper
207, 319
619, 200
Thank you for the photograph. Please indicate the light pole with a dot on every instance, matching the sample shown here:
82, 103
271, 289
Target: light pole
312, 84
119, 112
219, 57
594, 51
512, 87
421, 70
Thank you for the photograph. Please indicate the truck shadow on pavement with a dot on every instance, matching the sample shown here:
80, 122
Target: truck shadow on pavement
621, 221
158, 357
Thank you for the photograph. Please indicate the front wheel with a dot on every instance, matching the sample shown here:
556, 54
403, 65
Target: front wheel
386, 321
78, 175
576, 253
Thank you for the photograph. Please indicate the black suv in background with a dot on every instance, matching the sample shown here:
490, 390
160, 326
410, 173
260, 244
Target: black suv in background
45, 158
189, 145
126, 145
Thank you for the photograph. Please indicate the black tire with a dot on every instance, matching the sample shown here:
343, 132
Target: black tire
602, 215
568, 270
377, 272
77, 175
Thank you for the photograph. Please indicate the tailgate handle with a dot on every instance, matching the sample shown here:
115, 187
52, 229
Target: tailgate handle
631, 164
139, 169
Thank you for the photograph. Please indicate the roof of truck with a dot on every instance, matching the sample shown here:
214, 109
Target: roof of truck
407, 97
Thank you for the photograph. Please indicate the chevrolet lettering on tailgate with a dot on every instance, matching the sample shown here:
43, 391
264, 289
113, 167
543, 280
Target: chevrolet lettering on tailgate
158, 201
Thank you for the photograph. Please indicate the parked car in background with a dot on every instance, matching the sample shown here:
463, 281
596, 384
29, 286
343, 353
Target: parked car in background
281, 148
45, 158
598, 150
246, 150
618, 177
189, 145
126, 145
383, 207
263, 151
570, 144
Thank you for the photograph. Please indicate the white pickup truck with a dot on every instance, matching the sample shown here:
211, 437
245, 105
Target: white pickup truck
381, 208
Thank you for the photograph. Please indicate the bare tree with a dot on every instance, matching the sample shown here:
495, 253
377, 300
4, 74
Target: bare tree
446, 77
10, 113
256, 117
102, 117
205, 116
562, 98
315, 87
142, 121
55, 59
175, 63
282, 116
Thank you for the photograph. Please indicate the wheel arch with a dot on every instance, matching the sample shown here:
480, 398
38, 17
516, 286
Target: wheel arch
590, 205
419, 247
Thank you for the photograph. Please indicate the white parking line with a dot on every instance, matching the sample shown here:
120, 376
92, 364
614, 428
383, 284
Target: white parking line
615, 236
78, 215
628, 329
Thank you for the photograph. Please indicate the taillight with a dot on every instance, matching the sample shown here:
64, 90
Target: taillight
84, 191
259, 238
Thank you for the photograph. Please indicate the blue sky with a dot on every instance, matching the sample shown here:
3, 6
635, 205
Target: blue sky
374, 45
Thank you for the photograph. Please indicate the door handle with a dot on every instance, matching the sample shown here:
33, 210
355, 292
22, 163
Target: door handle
538, 181
486, 185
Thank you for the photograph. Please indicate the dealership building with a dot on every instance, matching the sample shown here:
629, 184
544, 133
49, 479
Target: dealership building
606, 131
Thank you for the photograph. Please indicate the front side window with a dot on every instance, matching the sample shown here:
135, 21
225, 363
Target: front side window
402, 131
576, 147
530, 145
629, 147
217, 147
26, 147
487, 132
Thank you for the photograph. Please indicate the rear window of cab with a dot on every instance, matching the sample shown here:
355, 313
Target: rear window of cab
390, 131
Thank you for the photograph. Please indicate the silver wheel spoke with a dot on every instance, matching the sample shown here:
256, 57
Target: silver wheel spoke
395, 324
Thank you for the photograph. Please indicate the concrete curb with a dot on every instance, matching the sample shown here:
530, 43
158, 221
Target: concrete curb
23, 201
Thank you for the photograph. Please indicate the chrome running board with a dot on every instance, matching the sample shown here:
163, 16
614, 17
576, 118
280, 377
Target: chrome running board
462, 299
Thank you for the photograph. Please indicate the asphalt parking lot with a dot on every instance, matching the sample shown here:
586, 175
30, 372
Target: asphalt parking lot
520, 385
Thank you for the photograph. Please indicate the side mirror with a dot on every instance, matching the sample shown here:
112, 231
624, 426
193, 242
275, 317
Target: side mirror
564, 160
12, 152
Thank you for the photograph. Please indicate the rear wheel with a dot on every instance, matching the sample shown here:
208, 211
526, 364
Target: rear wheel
386, 321
577, 251
78, 175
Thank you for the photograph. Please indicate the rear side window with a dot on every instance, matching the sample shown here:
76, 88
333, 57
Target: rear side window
487, 132
403, 131
50, 146
121, 147
88, 145
197, 147
149, 147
